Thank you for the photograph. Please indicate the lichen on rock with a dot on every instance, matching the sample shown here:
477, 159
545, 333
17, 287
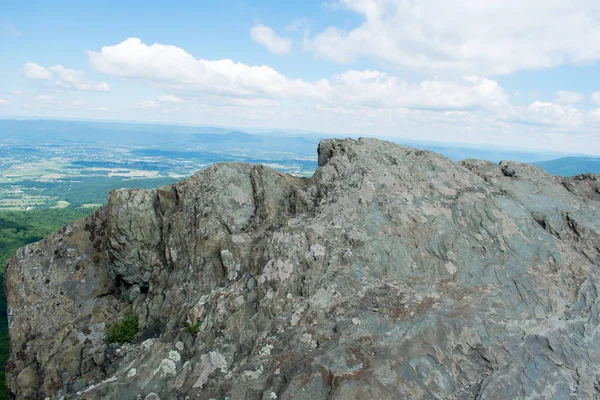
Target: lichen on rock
391, 273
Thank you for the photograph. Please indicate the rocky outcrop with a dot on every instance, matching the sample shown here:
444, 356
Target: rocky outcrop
391, 273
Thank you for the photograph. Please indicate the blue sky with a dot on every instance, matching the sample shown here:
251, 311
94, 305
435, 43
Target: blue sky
523, 74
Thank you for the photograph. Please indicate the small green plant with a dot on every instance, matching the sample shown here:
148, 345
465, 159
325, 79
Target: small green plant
193, 328
123, 330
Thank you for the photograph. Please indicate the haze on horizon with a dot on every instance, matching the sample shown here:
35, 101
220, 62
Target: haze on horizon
521, 74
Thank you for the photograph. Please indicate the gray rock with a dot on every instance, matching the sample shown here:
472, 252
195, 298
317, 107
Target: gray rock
391, 273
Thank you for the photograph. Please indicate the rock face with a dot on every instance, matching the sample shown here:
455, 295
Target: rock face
392, 273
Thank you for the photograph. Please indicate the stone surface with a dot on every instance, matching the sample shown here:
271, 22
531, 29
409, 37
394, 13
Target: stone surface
391, 273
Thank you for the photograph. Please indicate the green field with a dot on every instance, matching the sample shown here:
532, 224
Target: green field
35, 194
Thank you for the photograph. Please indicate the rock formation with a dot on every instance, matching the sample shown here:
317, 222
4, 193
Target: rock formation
392, 273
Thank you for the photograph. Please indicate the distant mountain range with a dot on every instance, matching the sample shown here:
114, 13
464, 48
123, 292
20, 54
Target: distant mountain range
175, 137
570, 166
164, 137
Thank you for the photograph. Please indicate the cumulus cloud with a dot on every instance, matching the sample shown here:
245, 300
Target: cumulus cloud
595, 115
84, 86
176, 68
35, 71
169, 98
265, 36
46, 98
566, 97
92, 86
68, 78
379, 89
67, 74
477, 37
173, 67
468, 108
4, 102
145, 105
595, 97
547, 113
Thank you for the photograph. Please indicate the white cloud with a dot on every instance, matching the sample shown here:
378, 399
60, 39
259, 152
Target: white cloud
265, 36
382, 90
551, 113
477, 37
299, 26
595, 115
566, 97
67, 74
595, 97
68, 78
85, 86
10, 29
48, 103
169, 98
4, 102
546, 113
146, 105
178, 70
35, 71
92, 86
468, 109
47, 98
174, 67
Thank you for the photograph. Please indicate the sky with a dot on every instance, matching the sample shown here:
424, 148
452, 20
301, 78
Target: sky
506, 73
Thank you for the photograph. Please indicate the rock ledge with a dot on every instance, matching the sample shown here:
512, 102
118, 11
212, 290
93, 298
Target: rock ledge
391, 273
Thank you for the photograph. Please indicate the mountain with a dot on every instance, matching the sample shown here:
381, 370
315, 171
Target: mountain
571, 166
391, 273
18, 135
21, 133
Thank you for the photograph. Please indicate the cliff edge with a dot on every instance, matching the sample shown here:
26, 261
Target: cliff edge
391, 273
